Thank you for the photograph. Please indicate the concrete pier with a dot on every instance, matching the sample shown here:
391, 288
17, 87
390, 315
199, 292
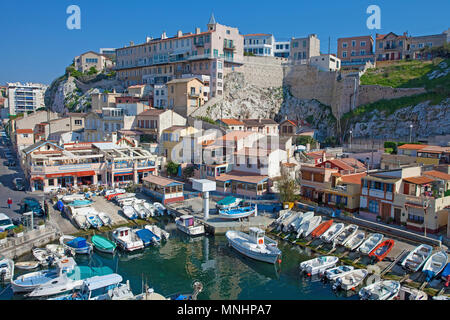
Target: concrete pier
217, 226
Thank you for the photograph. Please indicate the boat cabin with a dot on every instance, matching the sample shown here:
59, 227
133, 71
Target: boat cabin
187, 220
123, 232
257, 234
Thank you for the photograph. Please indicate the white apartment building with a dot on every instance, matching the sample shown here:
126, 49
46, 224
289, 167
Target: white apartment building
326, 62
281, 49
160, 99
25, 97
259, 44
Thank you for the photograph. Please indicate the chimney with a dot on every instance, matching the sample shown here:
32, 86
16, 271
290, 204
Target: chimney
163, 35
197, 30
179, 33
131, 43
285, 117
148, 39
259, 119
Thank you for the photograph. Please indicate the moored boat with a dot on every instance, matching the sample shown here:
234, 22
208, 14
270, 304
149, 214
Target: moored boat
381, 251
435, 264
106, 219
332, 232
126, 239
149, 208
254, 245
346, 234
417, 257
6, 269
370, 243
129, 212
408, 293
80, 203
147, 237
238, 212
228, 202
308, 226
159, 208
27, 265
302, 218
188, 225
103, 244
94, 221
321, 229
381, 290
355, 241
333, 273
79, 244
350, 279
161, 233
319, 264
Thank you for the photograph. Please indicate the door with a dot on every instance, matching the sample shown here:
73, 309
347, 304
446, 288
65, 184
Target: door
234, 187
397, 215
385, 211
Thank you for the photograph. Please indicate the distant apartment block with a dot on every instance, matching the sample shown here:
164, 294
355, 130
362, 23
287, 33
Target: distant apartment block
185, 95
25, 97
355, 52
281, 49
416, 44
214, 52
90, 59
302, 49
259, 44
326, 62
108, 52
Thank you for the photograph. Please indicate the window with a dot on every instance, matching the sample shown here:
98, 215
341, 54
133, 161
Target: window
373, 206
344, 54
362, 44
380, 45
414, 218
353, 53
362, 52
344, 45
78, 122
295, 45
353, 43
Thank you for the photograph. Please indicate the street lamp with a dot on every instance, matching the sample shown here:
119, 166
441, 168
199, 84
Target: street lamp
426, 204
351, 132
410, 133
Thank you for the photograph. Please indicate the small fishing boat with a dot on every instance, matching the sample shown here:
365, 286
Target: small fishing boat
283, 215
348, 232
228, 203
110, 194
103, 244
106, 219
159, 208
355, 241
332, 232
79, 244
149, 208
126, 239
56, 249
285, 224
30, 281
129, 212
95, 221
188, 225
147, 237
254, 245
6, 269
126, 202
27, 265
382, 290
417, 257
318, 265
446, 275
350, 279
408, 293
333, 273
435, 264
382, 250
441, 297
80, 203
308, 226
81, 221
72, 197
324, 226
139, 210
300, 220
123, 196
41, 255
239, 212
371, 243
162, 234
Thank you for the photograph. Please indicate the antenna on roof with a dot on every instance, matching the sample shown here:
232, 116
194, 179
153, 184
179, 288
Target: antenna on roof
329, 41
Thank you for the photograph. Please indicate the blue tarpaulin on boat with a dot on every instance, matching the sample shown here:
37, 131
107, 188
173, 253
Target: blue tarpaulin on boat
146, 236
446, 271
77, 243
60, 205
226, 201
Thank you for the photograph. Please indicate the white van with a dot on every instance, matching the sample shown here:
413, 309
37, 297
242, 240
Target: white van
5, 223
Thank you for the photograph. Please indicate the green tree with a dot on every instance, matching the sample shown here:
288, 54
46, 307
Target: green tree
172, 168
303, 140
92, 71
188, 173
287, 188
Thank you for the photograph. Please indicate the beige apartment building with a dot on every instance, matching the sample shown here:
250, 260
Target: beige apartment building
151, 123
302, 49
185, 95
90, 59
214, 52
103, 100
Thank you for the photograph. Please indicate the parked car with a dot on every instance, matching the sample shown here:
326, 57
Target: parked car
5, 223
31, 204
19, 184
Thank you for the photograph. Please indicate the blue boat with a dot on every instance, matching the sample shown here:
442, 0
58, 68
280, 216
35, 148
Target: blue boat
80, 203
147, 237
80, 245
446, 275
239, 212
228, 202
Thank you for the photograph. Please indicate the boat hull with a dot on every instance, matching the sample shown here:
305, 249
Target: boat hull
269, 258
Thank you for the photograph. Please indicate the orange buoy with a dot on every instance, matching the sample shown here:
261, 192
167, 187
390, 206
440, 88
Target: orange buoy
309, 274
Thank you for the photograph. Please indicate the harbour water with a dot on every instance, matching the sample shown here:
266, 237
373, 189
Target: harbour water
224, 273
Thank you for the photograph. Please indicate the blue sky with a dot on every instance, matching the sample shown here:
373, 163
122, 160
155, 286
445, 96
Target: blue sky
37, 46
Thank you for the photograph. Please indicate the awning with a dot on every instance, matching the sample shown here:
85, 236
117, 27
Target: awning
85, 173
58, 175
37, 178
146, 170
123, 174
413, 205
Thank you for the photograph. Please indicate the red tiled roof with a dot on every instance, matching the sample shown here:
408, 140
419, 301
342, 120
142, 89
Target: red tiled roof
161, 181
419, 180
355, 163
231, 122
231, 136
437, 174
353, 178
413, 146
152, 112
338, 163
241, 176
20, 131
256, 34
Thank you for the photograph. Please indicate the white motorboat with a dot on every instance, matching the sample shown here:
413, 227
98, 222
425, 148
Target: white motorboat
333, 273
188, 225
301, 219
126, 202
159, 208
284, 214
72, 197
408, 293
139, 210
127, 239
129, 212
95, 221
308, 226
162, 234
114, 191
355, 241
348, 232
435, 264
80, 245
417, 257
27, 265
106, 219
124, 196
441, 297
82, 222
332, 232
149, 208
285, 224
371, 243
56, 249
6, 269
318, 265
350, 279
41, 255
381, 290
254, 245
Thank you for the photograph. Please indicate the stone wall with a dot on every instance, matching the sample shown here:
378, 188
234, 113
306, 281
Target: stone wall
263, 72
372, 93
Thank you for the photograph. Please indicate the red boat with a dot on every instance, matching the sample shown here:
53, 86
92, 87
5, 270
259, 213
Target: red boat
324, 226
110, 196
382, 250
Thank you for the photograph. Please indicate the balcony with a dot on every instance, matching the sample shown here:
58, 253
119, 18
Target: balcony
199, 44
229, 46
